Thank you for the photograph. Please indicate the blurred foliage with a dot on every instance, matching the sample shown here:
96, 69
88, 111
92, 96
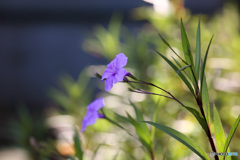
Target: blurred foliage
71, 95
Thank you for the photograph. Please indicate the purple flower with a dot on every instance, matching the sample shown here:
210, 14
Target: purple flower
92, 113
114, 72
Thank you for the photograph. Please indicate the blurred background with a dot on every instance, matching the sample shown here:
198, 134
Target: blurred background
50, 51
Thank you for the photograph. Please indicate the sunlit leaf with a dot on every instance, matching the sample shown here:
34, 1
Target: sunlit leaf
181, 138
199, 117
142, 133
145, 133
204, 64
138, 115
219, 132
205, 101
231, 133
170, 47
188, 54
198, 50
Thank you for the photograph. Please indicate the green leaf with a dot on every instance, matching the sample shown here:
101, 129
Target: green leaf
198, 49
199, 117
77, 146
219, 132
188, 54
205, 101
184, 67
141, 128
231, 133
138, 115
180, 74
119, 117
204, 64
181, 138
155, 115
115, 119
170, 47
179, 65
143, 134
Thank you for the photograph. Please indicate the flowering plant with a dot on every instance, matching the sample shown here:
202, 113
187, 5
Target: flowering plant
192, 73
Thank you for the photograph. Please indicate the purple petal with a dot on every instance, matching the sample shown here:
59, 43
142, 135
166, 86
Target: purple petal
120, 75
113, 65
89, 119
109, 83
118, 62
96, 105
83, 127
108, 73
121, 60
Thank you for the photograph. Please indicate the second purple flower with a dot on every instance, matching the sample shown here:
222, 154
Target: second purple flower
115, 71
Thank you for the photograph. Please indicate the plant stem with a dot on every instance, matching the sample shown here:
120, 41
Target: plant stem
208, 132
146, 92
152, 155
147, 83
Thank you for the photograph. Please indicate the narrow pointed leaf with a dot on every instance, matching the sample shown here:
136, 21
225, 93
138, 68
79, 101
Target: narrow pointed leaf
231, 133
186, 45
188, 54
138, 115
77, 146
180, 74
198, 50
142, 130
204, 64
181, 138
219, 132
170, 47
116, 122
143, 126
181, 69
179, 65
205, 101
176, 61
121, 118
199, 117
155, 116
143, 134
